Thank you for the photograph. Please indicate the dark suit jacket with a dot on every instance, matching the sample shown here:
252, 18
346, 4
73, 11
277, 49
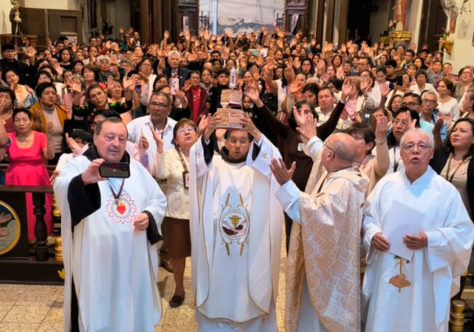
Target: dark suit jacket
183, 74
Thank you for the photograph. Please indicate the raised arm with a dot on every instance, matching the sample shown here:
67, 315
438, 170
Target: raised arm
261, 110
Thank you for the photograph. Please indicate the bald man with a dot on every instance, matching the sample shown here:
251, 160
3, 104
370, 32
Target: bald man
323, 272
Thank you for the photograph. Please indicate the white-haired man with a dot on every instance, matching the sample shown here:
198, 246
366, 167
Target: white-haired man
418, 237
173, 70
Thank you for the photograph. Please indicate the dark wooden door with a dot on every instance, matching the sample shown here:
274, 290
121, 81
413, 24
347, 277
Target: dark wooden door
433, 22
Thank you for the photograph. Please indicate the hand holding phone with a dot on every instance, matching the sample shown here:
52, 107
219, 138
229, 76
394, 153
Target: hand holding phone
115, 170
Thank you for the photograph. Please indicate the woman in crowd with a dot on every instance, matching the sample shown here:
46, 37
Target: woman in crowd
47, 116
174, 166
118, 101
206, 80
395, 103
96, 99
145, 70
160, 81
447, 105
78, 67
465, 82
24, 95
7, 99
196, 96
90, 75
65, 59
27, 150
454, 162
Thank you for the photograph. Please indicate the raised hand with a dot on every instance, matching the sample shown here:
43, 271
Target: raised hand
76, 87
91, 173
249, 126
211, 127
143, 143
251, 91
307, 125
72, 144
203, 123
437, 126
381, 128
158, 139
348, 89
129, 83
279, 170
366, 85
384, 89
49, 128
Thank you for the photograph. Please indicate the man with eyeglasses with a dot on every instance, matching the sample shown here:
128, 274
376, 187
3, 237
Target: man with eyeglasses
140, 133
323, 272
418, 237
235, 230
158, 120
429, 116
110, 228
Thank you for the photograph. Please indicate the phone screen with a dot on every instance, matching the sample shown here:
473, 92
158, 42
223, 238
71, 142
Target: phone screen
114, 170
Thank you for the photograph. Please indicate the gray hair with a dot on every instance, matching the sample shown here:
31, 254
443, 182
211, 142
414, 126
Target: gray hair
162, 94
429, 93
102, 58
173, 52
420, 132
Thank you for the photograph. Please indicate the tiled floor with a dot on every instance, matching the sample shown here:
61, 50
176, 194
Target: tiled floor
25, 308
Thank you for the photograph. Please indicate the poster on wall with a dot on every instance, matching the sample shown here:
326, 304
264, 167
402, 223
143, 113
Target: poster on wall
185, 23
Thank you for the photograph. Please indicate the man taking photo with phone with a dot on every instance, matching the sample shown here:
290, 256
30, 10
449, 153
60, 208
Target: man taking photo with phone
109, 228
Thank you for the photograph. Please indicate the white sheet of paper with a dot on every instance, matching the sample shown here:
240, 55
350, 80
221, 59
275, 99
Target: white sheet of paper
402, 220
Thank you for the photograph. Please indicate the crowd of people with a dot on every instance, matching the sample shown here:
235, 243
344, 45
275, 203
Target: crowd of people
324, 129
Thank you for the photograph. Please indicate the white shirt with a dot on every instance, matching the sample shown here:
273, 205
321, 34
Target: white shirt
168, 166
451, 108
141, 126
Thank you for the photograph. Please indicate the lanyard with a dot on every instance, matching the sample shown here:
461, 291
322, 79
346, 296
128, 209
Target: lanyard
450, 178
183, 162
117, 196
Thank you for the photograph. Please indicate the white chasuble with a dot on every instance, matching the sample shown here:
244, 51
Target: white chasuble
113, 266
414, 295
236, 235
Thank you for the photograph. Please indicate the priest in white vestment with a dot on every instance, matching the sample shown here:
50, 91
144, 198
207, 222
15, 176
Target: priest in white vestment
109, 228
418, 237
235, 231
323, 272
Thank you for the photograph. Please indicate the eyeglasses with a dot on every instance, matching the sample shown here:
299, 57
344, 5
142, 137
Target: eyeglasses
422, 146
429, 101
412, 103
184, 130
330, 149
159, 105
402, 122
